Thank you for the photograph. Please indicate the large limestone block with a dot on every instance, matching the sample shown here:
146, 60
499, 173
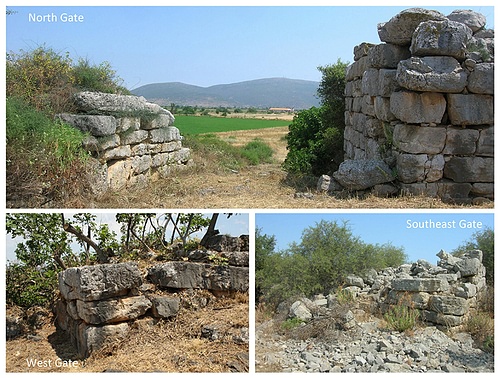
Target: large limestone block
187, 275
102, 281
112, 310
474, 20
362, 174
448, 38
486, 143
432, 74
164, 134
91, 338
95, 125
400, 28
419, 140
469, 267
387, 55
448, 305
461, 141
417, 299
108, 102
482, 79
469, 169
427, 285
470, 109
165, 307
442, 319
413, 107
419, 167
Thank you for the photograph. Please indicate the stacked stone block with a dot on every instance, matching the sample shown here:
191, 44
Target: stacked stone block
422, 102
132, 139
445, 293
99, 303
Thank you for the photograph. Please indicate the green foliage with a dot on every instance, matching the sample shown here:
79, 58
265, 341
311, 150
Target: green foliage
315, 140
99, 78
257, 152
402, 317
291, 324
327, 253
47, 79
485, 241
344, 296
481, 326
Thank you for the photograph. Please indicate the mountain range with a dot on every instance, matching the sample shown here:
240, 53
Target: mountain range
260, 93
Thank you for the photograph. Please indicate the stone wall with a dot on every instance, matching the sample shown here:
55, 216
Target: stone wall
100, 303
419, 108
131, 139
445, 293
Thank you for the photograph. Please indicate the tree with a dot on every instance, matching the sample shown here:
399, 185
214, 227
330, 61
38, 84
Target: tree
485, 241
326, 254
316, 136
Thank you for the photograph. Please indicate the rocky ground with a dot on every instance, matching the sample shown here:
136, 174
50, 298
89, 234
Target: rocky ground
369, 348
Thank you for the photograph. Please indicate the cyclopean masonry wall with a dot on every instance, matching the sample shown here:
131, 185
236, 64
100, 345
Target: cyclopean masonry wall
445, 293
100, 303
133, 140
419, 109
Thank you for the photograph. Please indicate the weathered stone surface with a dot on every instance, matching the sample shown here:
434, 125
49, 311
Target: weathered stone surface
300, 311
460, 141
327, 183
108, 102
474, 20
427, 285
160, 121
448, 305
482, 79
134, 137
387, 55
112, 310
119, 174
432, 74
448, 38
442, 319
400, 28
92, 338
413, 107
186, 275
95, 282
96, 125
361, 50
466, 290
469, 267
486, 143
415, 299
419, 140
356, 69
165, 134
128, 124
351, 280
383, 109
469, 169
363, 174
165, 307
470, 109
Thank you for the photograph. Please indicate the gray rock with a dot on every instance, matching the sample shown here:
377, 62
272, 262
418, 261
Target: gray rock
300, 311
481, 79
96, 125
96, 282
419, 140
413, 107
432, 74
165, 307
363, 174
448, 38
474, 20
469, 169
470, 109
112, 310
185, 275
448, 305
400, 28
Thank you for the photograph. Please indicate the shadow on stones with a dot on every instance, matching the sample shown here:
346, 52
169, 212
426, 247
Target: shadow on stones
61, 343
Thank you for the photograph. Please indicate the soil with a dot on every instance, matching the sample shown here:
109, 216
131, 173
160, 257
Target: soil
173, 345
265, 186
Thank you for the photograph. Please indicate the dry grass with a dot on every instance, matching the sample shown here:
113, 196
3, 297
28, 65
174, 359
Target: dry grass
206, 185
169, 346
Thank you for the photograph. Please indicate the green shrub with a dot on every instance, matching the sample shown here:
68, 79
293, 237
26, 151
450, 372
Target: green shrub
257, 152
99, 78
402, 317
481, 326
291, 323
344, 296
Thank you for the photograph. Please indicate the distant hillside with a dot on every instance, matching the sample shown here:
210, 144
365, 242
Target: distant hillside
261, 93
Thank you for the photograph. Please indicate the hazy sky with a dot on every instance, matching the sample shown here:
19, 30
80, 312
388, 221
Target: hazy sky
206, 45
407, 230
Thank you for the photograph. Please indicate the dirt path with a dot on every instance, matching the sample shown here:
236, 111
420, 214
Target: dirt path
256, 187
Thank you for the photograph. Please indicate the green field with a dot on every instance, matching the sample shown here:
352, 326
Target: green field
190, 125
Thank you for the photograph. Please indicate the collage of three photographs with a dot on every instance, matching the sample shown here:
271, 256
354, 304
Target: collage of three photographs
197, 188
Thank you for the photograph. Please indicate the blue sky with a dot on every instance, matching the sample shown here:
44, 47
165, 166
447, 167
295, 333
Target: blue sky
207, 45
399, 229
